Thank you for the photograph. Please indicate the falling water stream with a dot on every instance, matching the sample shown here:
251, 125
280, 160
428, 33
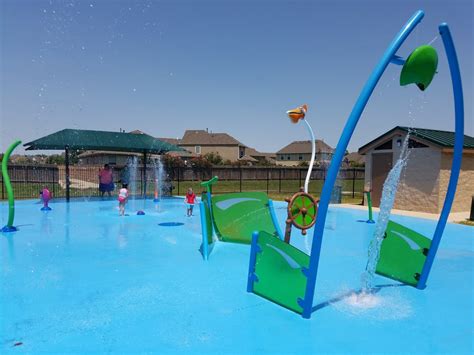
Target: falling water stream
132, 165
159, 179
389, 193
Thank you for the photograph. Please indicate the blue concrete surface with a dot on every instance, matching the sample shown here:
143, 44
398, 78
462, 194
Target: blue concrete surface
82, 279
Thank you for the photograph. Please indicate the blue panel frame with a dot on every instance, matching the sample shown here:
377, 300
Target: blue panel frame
254, 249
457, 155
349, 128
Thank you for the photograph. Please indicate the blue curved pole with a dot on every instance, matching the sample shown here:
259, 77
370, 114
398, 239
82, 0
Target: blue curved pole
312, 271
457, 155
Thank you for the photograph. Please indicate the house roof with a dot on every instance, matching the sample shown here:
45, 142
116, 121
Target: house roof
137, 131
304, 147
248, 158
101, 140
443, 139
254, 153
175, 141
355, 157
202, 137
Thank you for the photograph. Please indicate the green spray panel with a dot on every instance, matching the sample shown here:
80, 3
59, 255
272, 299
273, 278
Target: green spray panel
207, 217
238, 215
278, 269
402, 254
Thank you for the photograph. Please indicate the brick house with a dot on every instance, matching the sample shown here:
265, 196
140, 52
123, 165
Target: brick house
300, 151
195, 143
424, 180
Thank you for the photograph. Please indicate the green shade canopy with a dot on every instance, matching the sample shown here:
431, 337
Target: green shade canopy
101, 140
420, 67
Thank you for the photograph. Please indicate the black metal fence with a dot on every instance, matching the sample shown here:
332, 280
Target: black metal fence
27, 180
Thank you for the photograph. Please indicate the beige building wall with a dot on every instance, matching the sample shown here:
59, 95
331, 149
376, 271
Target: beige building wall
418, 189
465, 187
226, 152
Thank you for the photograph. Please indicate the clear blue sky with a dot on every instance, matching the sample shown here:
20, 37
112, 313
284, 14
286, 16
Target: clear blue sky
230, 66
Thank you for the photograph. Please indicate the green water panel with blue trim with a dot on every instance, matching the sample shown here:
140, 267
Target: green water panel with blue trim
402, 254
279, 272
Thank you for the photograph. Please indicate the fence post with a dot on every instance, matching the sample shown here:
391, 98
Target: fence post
240, 170
353, 182
268, 178
68, 185
279, 180
300, 179
54, 180
179, 173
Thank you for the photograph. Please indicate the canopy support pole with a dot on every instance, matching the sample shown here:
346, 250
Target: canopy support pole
144, 174
66, 161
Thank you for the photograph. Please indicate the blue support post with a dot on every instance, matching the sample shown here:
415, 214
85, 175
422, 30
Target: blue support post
339, 154
205, 232
254, 249
457, 155
274, 219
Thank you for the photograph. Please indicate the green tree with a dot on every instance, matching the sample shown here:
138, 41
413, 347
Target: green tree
200, 163
213, 158
171, 161
56, 159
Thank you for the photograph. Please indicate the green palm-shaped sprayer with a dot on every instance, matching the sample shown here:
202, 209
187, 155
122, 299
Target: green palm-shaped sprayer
6, 180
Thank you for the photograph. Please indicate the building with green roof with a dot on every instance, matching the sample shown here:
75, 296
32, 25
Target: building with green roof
424, 180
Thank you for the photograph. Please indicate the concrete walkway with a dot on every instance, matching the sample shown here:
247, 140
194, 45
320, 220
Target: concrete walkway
453, 217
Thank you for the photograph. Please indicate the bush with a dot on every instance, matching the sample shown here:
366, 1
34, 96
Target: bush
213, 158
200, 163
170, 161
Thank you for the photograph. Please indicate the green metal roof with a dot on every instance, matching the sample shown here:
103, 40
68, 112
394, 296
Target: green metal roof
101, 140
445, 139
442, 138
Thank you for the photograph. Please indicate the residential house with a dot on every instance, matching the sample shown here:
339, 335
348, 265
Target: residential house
195, 143
353, 159
202, 142
425, 178
96, 157
298, 152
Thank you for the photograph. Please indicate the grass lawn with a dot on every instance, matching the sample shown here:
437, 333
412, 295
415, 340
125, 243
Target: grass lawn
277, 190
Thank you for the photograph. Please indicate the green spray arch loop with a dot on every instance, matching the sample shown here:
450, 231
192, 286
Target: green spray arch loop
6, 179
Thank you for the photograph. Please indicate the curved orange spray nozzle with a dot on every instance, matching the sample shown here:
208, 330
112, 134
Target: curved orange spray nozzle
298, 113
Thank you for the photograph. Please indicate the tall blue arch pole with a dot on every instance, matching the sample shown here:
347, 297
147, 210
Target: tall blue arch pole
312, 271
457, 155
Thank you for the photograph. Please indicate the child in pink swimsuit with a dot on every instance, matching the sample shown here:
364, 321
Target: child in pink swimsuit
122, 197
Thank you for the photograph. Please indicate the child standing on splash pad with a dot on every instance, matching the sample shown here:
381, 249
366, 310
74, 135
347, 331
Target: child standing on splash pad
189, 200
122, 197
